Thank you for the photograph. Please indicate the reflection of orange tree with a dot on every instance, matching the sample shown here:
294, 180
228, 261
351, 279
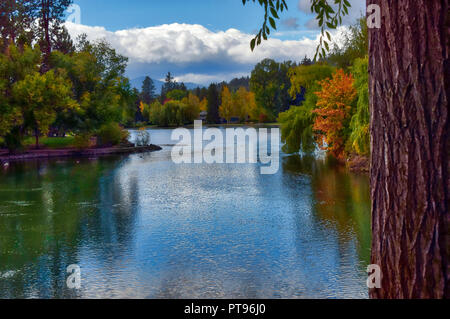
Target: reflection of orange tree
343, 200
333, 111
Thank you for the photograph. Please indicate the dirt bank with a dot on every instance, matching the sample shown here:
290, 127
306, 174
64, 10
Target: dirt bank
6, 157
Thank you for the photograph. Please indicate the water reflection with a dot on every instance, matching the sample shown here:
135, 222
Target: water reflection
141, 226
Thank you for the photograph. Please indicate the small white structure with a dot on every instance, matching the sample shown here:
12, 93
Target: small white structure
203, 116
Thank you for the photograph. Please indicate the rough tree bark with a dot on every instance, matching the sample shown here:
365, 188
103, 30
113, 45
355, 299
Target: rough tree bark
409, 95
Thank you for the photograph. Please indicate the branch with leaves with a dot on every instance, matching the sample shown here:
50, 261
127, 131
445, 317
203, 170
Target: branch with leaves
271, 8
326, 16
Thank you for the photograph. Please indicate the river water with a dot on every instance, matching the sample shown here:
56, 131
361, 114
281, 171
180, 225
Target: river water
140, 226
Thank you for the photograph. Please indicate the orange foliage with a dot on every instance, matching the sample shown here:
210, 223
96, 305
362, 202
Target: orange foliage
142, 107
333, 109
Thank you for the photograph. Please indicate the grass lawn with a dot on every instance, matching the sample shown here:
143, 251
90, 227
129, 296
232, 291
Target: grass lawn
51, 142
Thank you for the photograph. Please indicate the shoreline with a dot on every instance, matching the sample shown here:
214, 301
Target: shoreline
256, 125
6, 157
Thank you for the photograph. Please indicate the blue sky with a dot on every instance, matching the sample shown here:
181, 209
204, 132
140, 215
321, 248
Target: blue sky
214, 14
197, 40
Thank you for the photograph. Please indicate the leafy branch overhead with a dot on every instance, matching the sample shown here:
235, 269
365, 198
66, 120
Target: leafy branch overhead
272, 8
327, 18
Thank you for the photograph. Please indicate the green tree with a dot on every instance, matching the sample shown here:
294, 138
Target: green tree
15, 64
213, 104
16, 17
148, 90
176, 95
41, 97
49, 14
192, 107
169, 85
213, 98
306, 61
356, 46
100, 87
360, 130
155, 113
270, 83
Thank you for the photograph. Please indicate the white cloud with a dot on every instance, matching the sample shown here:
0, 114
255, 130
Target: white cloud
208, 78
180, 46
304, 6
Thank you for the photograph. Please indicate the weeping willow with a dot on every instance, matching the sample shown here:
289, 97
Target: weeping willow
360, 136
296, 130
297, 123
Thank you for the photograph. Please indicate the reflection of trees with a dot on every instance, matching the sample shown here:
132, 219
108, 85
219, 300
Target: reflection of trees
340, 199
50, 211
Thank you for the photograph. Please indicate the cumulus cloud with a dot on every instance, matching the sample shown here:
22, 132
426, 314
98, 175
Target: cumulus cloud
208, 78
193, 52
358, 8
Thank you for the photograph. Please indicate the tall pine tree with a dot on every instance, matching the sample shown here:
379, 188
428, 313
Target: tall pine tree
213, 104
148, 90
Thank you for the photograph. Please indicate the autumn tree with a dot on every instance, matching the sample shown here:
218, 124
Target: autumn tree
203, 106
226, 109
192, 107
333, 111
297, 123
242, 103
253, 110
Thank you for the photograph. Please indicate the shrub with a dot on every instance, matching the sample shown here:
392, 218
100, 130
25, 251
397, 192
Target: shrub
14, 141
82, 141
111, 134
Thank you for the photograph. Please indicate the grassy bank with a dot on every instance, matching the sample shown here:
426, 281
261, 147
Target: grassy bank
51, 142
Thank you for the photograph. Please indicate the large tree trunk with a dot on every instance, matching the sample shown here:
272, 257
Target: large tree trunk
409, 78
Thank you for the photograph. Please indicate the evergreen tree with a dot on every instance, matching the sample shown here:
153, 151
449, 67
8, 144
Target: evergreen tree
169, 85
213, 104
148, 90
306, 61
16, 18
50, 14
